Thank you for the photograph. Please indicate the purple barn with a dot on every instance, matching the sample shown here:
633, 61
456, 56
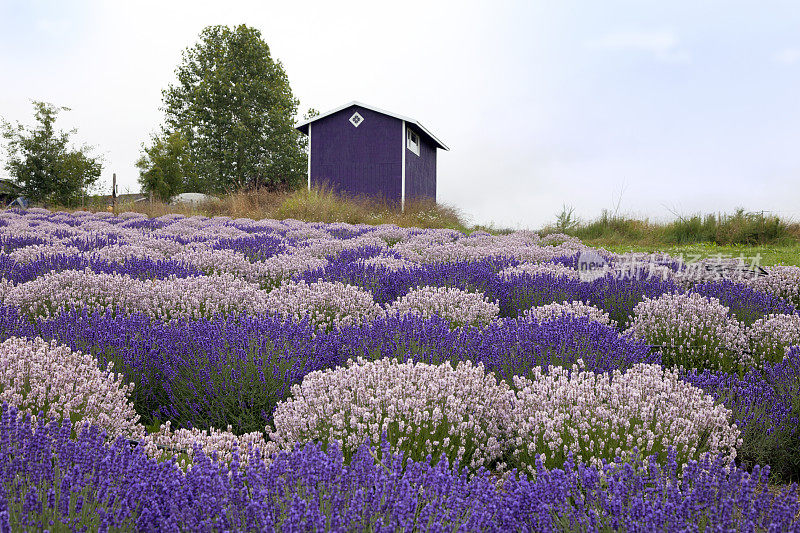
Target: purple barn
360, 150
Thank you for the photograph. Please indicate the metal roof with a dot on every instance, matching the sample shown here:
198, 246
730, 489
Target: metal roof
7, 186
303, 125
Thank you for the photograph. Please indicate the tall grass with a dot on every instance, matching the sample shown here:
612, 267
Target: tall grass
741, 227
320, 204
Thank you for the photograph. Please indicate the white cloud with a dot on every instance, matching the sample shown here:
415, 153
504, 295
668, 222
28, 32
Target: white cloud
787, 56
663, 44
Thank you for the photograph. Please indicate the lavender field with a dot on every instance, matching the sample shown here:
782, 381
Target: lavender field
209, 374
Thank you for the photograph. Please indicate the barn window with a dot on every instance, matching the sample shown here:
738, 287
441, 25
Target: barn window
356, 119
412, 141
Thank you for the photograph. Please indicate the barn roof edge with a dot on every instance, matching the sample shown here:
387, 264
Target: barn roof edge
302, 126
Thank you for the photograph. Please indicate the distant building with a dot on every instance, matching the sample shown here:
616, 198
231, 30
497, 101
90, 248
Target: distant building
360, 150
192, 198
9, 191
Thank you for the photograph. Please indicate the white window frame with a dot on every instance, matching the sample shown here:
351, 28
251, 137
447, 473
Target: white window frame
412, 141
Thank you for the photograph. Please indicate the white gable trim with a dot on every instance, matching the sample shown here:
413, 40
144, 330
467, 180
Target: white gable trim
403, 171
377, 110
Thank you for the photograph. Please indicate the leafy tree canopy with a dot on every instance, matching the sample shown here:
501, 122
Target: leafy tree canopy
233, 106
165, 168
41, 160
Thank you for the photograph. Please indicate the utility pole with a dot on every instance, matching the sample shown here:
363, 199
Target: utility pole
114, 193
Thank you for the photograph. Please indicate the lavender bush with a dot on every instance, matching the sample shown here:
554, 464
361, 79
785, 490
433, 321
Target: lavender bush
49, 481
234, 369
422, 409
458, 307
603, 417
326, 304
781, 281
644, 495
745, 304
517, 347
533, 269
135, 267
543, 313
49, 380
618, 296
769, 337
766, 405
692, 331
166, 299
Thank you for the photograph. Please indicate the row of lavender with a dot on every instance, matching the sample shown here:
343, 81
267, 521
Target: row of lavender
250, 326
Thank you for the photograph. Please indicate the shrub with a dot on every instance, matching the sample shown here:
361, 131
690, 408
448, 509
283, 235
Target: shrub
136, 267
745, 304
618, 296
459, 307
227, 370
523, 291
282, 267
221, 261
516, 347
224, 445
50, 481
544, 313
769, 337
644, 495
603, 417
422, 410
326, 304
766, 406
691, 330
384, 282
166, 299
781, 281
390, 263
87, 484
532, 269
43, 377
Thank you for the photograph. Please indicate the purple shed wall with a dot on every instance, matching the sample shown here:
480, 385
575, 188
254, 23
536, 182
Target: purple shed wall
358, 161
420, 170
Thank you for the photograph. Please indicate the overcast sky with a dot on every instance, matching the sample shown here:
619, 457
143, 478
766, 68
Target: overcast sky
659, 106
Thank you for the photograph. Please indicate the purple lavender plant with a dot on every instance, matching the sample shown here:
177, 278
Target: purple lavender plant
515, 347
49, 481
642, 495
746, 304
618, 296
766, 407
256, 247
135, 267
234, 369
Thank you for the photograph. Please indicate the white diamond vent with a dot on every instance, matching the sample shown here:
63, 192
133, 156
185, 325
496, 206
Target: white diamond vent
356, 119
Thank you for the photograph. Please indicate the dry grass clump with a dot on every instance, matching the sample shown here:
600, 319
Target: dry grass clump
738, 228
320, 204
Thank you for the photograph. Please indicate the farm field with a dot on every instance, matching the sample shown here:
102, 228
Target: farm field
205, 374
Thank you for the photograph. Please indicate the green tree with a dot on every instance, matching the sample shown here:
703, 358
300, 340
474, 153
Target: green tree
42, 162
233, 104
165, 168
